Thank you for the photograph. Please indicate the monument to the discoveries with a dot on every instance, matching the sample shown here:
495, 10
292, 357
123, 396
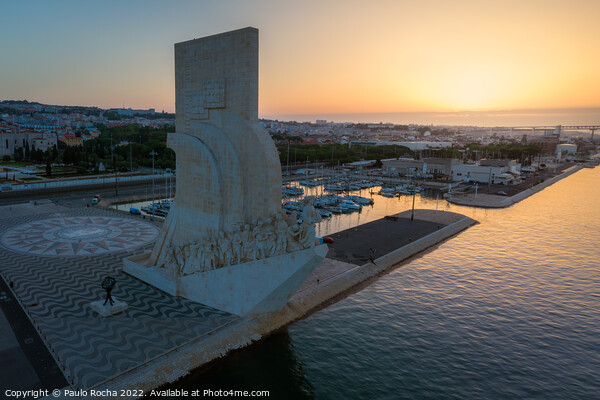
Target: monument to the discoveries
226, 242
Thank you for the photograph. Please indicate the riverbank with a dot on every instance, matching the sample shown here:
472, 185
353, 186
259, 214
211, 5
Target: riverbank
497, 201
334, 279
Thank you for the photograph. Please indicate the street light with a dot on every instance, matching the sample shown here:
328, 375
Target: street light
130, 160
153, 153
414, 188
114, 165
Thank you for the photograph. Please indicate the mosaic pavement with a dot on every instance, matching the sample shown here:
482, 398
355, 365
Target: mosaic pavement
55, 291
64, 235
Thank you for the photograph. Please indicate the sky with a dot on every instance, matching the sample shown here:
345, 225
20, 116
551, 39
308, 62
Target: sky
315, 57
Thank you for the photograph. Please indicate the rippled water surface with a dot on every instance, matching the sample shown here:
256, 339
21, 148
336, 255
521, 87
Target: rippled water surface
509, 308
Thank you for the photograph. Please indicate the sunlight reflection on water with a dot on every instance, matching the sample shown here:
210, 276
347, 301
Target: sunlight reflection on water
508, 308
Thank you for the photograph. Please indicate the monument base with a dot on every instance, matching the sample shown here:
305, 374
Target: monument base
106, 310
249, 288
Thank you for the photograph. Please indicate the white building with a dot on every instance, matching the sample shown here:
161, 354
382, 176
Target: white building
9, 142
488, 171
565, 148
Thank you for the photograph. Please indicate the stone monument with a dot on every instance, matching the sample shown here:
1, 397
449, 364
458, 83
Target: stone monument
226, 242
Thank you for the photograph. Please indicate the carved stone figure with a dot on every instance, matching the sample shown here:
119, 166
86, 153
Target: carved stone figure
170, 264
307, 235
261, 240
271, 237
179, 259
281, 227
210, 258
293, 236
292, 219
248, 244
309, 214
236, 244
189, 267
224, 250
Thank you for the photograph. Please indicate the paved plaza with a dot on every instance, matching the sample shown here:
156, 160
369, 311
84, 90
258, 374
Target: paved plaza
66, 235
54, 258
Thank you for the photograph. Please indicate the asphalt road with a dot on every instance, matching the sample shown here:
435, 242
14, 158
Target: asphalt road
79, 196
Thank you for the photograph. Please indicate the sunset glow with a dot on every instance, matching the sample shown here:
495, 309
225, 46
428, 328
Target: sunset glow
315, 57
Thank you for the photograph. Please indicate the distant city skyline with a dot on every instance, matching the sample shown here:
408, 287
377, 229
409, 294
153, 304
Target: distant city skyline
328, 57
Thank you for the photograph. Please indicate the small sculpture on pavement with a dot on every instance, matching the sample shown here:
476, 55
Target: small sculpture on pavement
108, 284
114, 305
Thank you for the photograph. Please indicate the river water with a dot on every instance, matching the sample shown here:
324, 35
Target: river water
509, 308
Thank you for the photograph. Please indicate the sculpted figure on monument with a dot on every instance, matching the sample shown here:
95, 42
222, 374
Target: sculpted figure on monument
293, 237
310, 217
271, 237
179, 258
261, 240
292, 218
307, 235
248, 244
188, 266
193, 264
281, 227
198, 253
309, 214
236, 244
210, 258
224, 250
170, 263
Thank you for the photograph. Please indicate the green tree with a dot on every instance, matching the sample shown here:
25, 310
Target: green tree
48, 163
18, 154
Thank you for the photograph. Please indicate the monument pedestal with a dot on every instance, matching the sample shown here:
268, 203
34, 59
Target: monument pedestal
106, 310
248, 288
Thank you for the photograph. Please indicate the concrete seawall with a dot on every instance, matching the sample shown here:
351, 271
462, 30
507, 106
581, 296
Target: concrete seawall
495, 201
331, 281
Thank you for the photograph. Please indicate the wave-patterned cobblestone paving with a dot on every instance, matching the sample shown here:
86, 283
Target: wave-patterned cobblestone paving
56, 293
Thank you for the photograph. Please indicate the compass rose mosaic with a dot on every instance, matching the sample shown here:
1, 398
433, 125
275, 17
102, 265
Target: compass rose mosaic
78, 236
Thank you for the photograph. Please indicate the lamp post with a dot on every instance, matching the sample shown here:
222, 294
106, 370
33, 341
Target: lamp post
114, 165
412, 213
153, 153
130, 160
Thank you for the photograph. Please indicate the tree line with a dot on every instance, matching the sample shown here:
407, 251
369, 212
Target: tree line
118, 148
